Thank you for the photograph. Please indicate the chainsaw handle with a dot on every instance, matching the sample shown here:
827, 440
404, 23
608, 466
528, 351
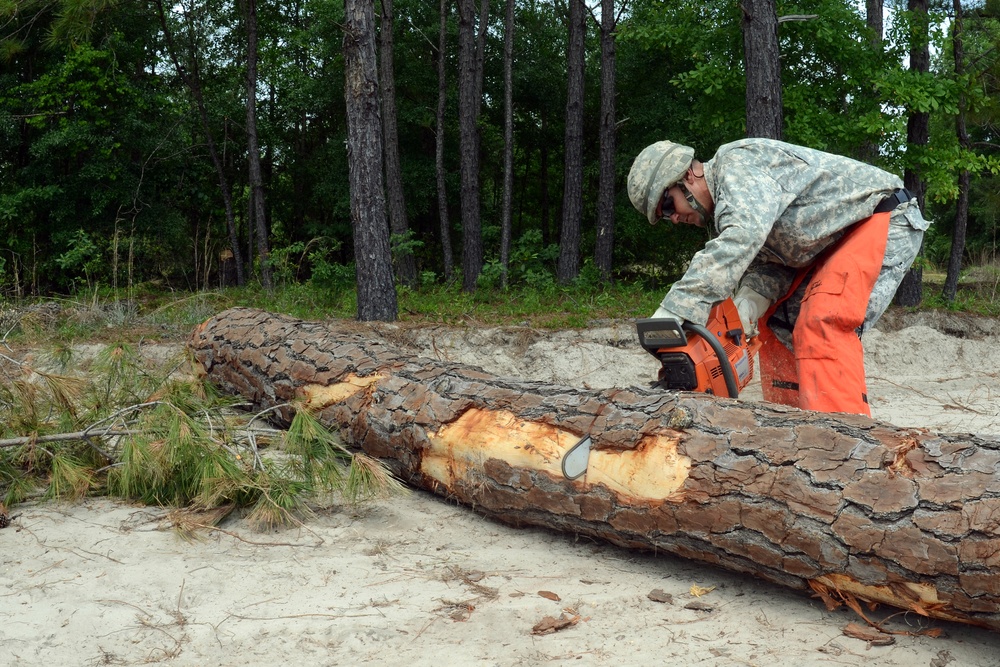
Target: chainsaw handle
724, 363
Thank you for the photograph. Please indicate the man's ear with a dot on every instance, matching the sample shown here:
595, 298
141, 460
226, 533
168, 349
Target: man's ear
690, 176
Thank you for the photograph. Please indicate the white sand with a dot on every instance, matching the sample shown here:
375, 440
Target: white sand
418, 581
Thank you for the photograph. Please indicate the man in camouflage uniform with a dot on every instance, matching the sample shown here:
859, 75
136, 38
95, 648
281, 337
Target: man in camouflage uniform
813, 245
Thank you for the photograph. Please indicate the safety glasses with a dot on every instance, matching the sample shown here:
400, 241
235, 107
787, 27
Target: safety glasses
667, 207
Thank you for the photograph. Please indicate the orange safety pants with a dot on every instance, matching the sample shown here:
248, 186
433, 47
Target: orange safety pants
826, 371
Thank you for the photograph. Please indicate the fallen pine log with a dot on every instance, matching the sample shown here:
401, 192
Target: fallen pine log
840, 505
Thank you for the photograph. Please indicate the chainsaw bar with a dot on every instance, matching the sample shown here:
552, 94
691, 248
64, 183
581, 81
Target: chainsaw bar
574, 462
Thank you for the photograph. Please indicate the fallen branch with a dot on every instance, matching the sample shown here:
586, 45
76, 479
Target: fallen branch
63, 437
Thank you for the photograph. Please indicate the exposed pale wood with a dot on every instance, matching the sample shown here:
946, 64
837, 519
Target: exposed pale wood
840, 505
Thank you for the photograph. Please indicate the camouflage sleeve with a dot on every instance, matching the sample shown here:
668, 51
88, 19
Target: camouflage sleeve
769, 279
747, 203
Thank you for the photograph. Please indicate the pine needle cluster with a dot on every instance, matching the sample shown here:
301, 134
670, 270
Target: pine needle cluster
116, 425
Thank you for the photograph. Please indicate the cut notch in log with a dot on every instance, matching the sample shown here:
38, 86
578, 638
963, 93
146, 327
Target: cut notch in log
833, 503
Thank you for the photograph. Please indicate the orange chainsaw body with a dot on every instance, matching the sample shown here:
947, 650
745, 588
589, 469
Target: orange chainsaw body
716, 359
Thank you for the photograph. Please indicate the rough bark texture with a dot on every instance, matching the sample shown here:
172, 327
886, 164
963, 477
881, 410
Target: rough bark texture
840, 505
874, 9
544, 208
508, 140
911, 290
569, 237
257, 209
376, 291
442, 193
406, 265
950, 290
763, 68
873, 17
468, 137
604, 248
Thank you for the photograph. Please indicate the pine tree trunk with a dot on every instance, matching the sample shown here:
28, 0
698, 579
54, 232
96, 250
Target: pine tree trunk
604, 250
869, 150
569, 237
763, 68
259, 214
911, 290
442, 193
376, 292
874, 19
481, 30
506, 221
950, 290
839, 505
544, 208
406, 266
468, 131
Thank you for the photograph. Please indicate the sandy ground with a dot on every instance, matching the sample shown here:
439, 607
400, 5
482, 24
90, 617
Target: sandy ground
417, 581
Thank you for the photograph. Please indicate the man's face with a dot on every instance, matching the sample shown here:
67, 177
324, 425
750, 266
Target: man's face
678, 208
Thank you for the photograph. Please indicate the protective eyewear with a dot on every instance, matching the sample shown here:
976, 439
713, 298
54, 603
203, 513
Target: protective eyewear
667, 207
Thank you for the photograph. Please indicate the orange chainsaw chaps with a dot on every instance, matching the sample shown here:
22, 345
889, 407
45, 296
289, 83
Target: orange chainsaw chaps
779, 375
826, 373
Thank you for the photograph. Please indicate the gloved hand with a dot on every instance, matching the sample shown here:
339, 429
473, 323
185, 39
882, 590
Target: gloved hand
751, 306
663, 313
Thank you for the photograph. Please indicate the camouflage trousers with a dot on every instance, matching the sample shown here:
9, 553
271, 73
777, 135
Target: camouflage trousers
901, 249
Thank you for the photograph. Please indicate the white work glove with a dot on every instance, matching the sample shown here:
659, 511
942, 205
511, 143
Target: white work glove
663, 313
751, 306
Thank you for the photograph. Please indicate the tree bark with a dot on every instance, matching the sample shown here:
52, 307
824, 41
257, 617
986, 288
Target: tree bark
911, 290
544, 208
950, 290
869, 150
406, 267
481, 30
839, 505
604, 250
762, 62
259, 214
569, 237
373, 260
506, 220
442, 193
468, 134
873, 17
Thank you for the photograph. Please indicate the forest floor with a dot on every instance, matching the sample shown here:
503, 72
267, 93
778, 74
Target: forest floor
414, 580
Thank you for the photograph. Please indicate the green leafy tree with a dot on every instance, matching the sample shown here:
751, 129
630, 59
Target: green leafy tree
89, 126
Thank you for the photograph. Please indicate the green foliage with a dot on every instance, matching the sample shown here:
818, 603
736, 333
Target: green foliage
81, 255
404, 244
105, 179
84, 131
311, 260
527, 265
164, 441
975, 300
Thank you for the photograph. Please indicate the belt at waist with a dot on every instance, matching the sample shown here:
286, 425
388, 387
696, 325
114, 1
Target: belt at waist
900, 196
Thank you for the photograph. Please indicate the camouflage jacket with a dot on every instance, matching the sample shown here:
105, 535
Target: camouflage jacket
777, 206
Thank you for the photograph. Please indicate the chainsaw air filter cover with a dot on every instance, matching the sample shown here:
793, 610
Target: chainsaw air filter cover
677, 372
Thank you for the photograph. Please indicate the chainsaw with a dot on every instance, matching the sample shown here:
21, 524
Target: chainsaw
716, 358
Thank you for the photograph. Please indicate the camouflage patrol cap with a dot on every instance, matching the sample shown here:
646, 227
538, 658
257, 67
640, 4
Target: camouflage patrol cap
654, 170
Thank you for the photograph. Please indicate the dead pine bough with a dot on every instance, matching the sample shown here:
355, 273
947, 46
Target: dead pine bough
845, 508
119, 426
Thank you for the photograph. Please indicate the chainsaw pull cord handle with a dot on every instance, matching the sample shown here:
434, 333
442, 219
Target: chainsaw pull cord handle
720, 352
